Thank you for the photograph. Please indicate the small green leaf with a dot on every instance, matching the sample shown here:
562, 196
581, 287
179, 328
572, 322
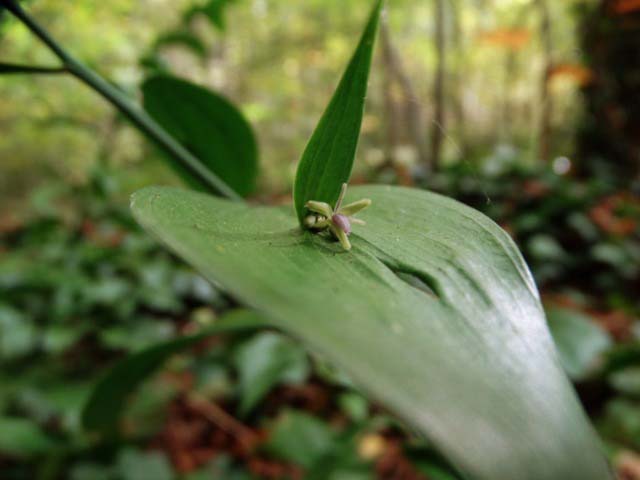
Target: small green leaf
107, 399
265, 361
626, 381
621, 421
137, 465
140, 335
58, 338
222, 467
300, 438
209, 126
328, 159
18, 335
355, 406
580, 342
435, 470
91, 471
463, 353
21, 437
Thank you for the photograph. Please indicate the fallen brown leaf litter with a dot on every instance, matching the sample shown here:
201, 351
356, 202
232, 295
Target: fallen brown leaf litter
197, 431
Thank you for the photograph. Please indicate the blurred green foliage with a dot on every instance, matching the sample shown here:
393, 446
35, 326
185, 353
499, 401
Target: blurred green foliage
81, 285
280, 62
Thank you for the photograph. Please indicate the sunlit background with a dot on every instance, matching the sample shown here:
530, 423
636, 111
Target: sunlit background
280, 61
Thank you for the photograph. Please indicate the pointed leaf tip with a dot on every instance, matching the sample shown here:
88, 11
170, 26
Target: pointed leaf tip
328, 159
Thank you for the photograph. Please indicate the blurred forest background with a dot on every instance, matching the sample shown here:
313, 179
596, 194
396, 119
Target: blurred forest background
505, 87
528, 110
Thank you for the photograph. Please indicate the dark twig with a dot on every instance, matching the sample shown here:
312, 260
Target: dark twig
10, 68
129, 109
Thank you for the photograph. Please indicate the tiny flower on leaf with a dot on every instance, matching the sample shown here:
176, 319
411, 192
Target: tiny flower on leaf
337, 220
342, 222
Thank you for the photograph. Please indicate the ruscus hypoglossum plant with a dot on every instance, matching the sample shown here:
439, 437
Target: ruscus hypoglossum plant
461, 353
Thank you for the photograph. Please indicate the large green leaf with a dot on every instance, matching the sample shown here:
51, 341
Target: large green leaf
433, 312
107, 399
328, 159
207, 125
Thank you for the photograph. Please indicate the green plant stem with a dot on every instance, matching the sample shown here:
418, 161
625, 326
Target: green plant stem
134, 113
9, 68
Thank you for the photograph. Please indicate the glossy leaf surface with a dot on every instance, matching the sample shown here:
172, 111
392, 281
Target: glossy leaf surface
433, 313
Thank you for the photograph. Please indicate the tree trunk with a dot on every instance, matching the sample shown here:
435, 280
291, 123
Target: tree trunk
546, 101
414, 117
458, 79
392, 116
506, 120
437, 135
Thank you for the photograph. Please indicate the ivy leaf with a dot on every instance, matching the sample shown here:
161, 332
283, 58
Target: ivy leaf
102, 410
300, 438
328, 159
581, 343
21, 437
136, 465
626, 381
433, 313
209, 126
265, 361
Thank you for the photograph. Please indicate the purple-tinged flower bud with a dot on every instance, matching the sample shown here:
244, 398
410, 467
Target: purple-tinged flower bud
342, 222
